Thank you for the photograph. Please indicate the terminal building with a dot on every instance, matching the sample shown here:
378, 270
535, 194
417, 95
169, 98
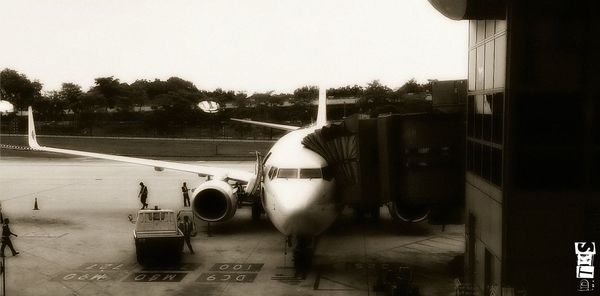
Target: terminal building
533, 144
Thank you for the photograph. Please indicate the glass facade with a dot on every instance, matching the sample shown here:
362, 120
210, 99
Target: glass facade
485, 103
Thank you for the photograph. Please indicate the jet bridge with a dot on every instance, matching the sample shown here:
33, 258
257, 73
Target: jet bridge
414, 163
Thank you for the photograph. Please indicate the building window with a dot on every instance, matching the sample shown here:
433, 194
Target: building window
496, 177
486, 167
478, 118
470, 115
477, 158
497, 118
487, 118
480, 68
490, 26
472, 68
469, 162
489, 65
480, 30
499, 61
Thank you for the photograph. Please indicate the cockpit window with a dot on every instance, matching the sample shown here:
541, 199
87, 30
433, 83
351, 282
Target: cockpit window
310, 174
272, 172
287, 173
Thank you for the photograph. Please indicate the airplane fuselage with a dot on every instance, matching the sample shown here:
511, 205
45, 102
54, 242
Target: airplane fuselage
298, 194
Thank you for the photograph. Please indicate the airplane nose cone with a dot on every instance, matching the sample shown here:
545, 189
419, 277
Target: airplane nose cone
306, 209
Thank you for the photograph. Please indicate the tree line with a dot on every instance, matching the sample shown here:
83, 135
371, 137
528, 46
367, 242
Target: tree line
174, 101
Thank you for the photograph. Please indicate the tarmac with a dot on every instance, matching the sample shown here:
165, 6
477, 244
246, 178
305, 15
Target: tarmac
80, 241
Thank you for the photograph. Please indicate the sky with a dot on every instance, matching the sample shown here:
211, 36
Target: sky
242, 45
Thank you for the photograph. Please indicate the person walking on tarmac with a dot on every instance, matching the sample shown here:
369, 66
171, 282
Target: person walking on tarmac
143, 195
6, 233
186, 196
187, 227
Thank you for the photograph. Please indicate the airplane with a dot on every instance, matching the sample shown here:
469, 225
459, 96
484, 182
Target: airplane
292, 183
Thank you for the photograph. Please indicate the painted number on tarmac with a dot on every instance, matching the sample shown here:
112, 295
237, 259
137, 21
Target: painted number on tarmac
148, 277
237, 267
227, 277
85, 277
105, 266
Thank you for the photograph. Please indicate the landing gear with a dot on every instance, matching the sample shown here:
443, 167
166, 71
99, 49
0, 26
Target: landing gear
361, 211
257, 210
303, 252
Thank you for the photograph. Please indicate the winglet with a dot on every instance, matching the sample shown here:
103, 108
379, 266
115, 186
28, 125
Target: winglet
322, 111
31, 130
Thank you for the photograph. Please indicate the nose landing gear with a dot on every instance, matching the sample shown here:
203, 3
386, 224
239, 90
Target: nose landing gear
302, 257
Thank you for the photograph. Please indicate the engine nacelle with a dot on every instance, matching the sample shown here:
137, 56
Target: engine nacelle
214, 201
408, 213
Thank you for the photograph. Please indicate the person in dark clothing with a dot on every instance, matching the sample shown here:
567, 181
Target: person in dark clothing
187, 227
6, 233
143, 195
186, 196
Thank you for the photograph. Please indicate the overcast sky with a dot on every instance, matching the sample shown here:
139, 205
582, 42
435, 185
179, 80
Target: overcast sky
244, 45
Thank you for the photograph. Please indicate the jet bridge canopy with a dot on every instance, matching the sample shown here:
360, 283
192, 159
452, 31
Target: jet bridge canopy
412, 159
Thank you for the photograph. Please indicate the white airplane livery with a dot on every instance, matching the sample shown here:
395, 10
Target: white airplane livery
294, 184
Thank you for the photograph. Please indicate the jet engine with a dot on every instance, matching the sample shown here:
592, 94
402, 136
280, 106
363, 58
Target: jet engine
214, 201
408, 213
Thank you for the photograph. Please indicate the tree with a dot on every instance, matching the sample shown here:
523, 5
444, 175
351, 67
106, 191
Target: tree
18, 89
138, 92
305, 95
346, 91
240, 100
412, 86
114, 92
51, 106
71, 94
376, 94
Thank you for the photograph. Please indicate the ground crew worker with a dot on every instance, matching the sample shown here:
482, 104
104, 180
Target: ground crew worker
143, 195
6, 233
186, 196
187, 227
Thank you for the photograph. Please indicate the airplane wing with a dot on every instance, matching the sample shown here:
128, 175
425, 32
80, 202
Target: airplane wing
216, 173
271, 125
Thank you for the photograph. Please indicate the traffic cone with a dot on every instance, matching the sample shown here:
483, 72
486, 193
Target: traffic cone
35, 206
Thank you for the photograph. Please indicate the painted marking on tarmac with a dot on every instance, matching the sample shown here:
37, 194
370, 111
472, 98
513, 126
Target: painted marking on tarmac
287, 279
331, 284
227, 277
43, 235
81, 276
149, 277
107, 266
237, 267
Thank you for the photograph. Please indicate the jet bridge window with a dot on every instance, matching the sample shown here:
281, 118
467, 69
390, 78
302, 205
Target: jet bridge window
310, 174
287, 174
